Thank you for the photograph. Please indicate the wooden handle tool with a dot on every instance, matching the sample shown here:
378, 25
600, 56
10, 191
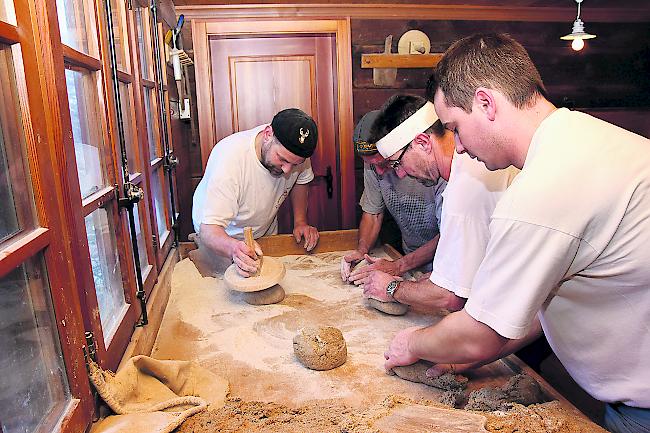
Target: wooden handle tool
250, 242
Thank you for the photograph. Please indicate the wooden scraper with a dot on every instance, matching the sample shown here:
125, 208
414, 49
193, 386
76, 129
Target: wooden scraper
385, 76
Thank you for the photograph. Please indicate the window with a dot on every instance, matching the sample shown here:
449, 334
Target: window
31, 364
76, 18
86, 129
16, 212
7, 13
106, 270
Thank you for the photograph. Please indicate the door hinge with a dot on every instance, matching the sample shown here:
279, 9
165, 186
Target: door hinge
90, 348
154, 241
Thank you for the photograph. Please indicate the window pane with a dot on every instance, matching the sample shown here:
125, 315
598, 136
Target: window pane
151, 124
142, 246
33, 380
128, 117
86, 128
159, 203
119, 30
142, 28
75, 23
106, 270
16, 202
7, 12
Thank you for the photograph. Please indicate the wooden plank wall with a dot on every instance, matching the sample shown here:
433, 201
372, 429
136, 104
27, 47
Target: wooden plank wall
610, 77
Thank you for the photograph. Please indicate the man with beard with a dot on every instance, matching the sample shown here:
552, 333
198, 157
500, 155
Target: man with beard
248, 176
415, 205
414, 142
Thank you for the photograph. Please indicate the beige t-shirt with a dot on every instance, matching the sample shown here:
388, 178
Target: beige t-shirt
469, 199
570, 239
237, 191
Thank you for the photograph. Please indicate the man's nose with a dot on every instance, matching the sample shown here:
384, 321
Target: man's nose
400, 172
286, 168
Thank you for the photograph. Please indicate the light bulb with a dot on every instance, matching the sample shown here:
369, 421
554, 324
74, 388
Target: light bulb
577, 44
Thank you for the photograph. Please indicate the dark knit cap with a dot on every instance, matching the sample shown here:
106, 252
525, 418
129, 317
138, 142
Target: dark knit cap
362, 133
296, 131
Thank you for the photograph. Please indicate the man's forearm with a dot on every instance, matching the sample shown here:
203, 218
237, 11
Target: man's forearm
369, 231
427, 296
419, 257
457, 339
217, 240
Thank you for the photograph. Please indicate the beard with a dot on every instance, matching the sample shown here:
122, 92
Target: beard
274, 170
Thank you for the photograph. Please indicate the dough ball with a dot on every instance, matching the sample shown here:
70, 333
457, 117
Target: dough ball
321, 348
523, 389
392, 308
417, 373
272, 295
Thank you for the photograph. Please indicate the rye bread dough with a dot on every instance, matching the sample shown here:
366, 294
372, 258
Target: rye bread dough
417, 373
392, 308
320, 348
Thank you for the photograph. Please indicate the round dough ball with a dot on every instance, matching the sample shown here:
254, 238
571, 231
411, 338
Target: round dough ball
272, 295
321, 348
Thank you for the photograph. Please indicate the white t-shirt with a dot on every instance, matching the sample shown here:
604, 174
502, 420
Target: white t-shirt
468, 201
238, 191
570, 239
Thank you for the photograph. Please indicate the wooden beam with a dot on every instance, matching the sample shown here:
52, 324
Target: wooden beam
400, 60
412, 11
283, 245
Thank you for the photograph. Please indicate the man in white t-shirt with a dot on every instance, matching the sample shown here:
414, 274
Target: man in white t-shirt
568, 250
248, 176
415, 144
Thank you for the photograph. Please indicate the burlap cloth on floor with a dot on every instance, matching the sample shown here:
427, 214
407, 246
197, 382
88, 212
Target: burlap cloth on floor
154, 396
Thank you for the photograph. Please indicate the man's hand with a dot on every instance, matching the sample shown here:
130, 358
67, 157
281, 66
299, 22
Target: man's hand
374, 264
398, 353
246, 259
348, 261
440, 369
309, 233
374, 286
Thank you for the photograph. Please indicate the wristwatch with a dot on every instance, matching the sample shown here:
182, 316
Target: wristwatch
391, 288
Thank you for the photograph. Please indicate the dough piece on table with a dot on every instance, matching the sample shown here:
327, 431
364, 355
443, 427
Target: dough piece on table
320, 348
417, 373
272, 295
392, 308
487, 399
523, 389
453, 398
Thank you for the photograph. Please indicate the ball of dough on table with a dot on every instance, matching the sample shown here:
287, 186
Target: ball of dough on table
320, 348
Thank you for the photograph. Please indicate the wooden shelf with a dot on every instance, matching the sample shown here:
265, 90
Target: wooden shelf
400, 60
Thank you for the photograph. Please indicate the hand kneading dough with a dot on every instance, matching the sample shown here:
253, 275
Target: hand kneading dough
417, 373
321, 348
272, 295
392, 308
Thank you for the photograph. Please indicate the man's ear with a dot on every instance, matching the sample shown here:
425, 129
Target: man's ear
485, 102
424, 141
267, 132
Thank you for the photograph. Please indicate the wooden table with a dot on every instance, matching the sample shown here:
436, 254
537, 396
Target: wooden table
251, 346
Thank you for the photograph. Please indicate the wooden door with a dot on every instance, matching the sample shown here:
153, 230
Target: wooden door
255, 77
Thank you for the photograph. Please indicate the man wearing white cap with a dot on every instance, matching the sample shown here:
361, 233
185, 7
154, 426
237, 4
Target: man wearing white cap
411, 138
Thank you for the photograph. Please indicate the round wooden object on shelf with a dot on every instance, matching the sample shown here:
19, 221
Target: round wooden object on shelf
271, 273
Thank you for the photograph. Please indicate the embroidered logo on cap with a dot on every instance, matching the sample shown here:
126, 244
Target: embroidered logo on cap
303, 136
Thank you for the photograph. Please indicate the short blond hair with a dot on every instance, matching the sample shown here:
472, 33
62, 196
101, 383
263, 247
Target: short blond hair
492, 60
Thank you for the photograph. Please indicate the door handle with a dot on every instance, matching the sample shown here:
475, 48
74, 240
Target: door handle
329, 179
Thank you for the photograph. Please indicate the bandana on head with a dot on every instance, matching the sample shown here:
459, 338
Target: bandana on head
406, 131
